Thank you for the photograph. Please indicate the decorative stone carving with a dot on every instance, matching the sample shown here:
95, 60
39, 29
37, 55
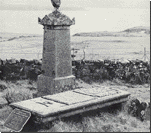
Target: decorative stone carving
56, 3
56, 18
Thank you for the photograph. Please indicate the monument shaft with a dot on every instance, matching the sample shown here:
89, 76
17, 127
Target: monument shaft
56, 63
57, 53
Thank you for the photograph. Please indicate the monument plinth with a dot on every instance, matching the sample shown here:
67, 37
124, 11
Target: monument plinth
56, 61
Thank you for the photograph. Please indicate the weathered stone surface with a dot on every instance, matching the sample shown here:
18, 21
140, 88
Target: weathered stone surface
56, 3
48, 64
69, 97
49, 41
68, 103
17, 119
57, 53
56, 18
3, 102
63, 53
49, 85
45, 85
39, 106
68, 81
56, 62
98, 92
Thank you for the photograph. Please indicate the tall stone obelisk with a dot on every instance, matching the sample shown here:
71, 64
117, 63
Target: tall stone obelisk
56, 61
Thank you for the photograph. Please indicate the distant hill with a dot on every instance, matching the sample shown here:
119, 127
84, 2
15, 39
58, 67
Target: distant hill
139, 31
5, 36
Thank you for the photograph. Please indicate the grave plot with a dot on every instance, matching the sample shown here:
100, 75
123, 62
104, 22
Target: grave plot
51, 107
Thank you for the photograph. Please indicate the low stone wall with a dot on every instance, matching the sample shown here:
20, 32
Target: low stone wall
135, 72
23, 69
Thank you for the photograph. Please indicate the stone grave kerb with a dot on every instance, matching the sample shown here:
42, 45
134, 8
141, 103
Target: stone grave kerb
56, 59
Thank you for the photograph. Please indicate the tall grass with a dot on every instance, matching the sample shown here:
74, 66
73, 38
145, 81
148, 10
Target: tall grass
3, 85
105, 123
105, 120
4, 112
17, 94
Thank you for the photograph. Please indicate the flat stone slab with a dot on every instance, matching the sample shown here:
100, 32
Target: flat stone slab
69, 97
69, 103
39, 106
98, 92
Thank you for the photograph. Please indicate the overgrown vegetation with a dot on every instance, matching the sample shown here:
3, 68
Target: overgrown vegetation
17, 95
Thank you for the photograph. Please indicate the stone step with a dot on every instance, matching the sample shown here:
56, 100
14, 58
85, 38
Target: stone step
68, 103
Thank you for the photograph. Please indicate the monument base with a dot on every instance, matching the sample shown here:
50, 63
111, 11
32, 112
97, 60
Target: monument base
48, 85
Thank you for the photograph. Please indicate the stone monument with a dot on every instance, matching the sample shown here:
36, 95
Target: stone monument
56, 60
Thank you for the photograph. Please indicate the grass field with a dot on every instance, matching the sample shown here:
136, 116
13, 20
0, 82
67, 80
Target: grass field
112, 119
111, 47
28, 46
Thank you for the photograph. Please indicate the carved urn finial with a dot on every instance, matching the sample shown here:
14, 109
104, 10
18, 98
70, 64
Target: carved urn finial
56, 18
56, 3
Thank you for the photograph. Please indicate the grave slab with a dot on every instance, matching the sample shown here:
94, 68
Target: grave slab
68, 103
38, 106
69, 97
98, 92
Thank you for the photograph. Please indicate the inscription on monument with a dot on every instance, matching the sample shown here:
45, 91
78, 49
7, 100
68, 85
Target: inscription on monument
17, 119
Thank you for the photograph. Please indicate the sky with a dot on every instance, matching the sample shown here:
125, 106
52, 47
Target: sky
73, 4
90, 15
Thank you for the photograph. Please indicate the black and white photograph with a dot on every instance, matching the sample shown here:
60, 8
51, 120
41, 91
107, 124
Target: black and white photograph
74, 66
